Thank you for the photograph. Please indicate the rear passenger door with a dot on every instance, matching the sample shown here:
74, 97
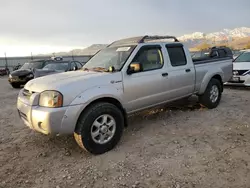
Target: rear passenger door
181, 72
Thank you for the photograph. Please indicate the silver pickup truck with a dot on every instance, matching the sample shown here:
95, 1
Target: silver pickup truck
128, 76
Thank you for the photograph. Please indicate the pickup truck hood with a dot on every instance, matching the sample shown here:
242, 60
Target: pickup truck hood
55, 82
241, 66
72, 80
73, 83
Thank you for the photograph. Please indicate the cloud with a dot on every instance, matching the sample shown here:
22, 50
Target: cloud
84, 22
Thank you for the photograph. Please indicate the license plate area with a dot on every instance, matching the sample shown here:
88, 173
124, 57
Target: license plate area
14, 79
235, 79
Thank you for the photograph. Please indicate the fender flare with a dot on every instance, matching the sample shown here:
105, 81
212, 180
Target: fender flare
88, 96
85, 98
206, 80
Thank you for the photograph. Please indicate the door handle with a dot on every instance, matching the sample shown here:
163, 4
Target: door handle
187, 70
164, 74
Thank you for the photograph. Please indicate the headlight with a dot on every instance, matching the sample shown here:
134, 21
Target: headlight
51, 99
10, 76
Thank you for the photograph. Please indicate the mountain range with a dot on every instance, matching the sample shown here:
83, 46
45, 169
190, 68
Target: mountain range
237, 37
225, 34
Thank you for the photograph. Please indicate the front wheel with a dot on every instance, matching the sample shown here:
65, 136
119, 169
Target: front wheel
212, 95
99, 128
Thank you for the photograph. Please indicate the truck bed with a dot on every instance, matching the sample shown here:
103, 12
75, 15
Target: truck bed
207, 59
204, 66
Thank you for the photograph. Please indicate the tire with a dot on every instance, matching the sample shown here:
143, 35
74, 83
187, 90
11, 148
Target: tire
16, 85
85, 127
207, 99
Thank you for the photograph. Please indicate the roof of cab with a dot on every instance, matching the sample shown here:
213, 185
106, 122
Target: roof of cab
140, 39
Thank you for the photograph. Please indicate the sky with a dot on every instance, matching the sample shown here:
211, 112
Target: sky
47, 26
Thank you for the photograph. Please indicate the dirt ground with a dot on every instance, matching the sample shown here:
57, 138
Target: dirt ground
174, 147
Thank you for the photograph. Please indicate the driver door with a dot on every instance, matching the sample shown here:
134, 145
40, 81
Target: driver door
145, 88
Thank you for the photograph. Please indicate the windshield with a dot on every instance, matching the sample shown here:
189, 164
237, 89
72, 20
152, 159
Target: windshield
110, 57
237, 53
244, 57
34, 64
56, 66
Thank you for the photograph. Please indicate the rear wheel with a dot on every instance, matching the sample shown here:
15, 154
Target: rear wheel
99, 128
212, 95
16, 85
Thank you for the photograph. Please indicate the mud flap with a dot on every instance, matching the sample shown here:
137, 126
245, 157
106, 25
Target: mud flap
78, 139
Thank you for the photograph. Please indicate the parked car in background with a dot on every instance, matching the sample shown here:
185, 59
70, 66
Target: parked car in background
4, 71
241, 70
237, 53
57, 67
25, 73
128, 76
17, 67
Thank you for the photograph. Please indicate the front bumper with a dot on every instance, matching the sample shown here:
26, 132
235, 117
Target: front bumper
18, 80
239, 81
47, 120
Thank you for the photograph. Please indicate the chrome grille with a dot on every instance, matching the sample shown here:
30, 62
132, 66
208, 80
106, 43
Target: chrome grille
240, 72
23, 115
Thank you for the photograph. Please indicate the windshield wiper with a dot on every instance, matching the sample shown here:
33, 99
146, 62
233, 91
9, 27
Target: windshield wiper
97, 69
100, 69
85, 69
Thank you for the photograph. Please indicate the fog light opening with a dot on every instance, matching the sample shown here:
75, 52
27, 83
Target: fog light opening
40, 125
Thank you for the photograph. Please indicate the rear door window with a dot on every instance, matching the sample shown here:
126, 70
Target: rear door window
177, 55
222, 53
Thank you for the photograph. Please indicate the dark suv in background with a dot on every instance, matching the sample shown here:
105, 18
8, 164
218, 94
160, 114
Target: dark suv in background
57, 67
26, 72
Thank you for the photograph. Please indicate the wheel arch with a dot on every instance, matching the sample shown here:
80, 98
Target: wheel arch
207, 78
218, 77
110, 100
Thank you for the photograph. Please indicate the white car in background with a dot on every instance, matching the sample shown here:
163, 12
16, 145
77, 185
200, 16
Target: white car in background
237, 53
241, 70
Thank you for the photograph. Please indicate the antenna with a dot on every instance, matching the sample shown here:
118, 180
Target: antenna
6, 62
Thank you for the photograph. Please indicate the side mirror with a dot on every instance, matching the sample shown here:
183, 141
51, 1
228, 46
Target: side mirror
134, 67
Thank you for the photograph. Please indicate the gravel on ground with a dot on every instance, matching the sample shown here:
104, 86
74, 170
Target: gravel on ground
175, 146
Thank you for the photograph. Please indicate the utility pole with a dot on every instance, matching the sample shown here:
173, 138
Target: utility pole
6, 62
72, 55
